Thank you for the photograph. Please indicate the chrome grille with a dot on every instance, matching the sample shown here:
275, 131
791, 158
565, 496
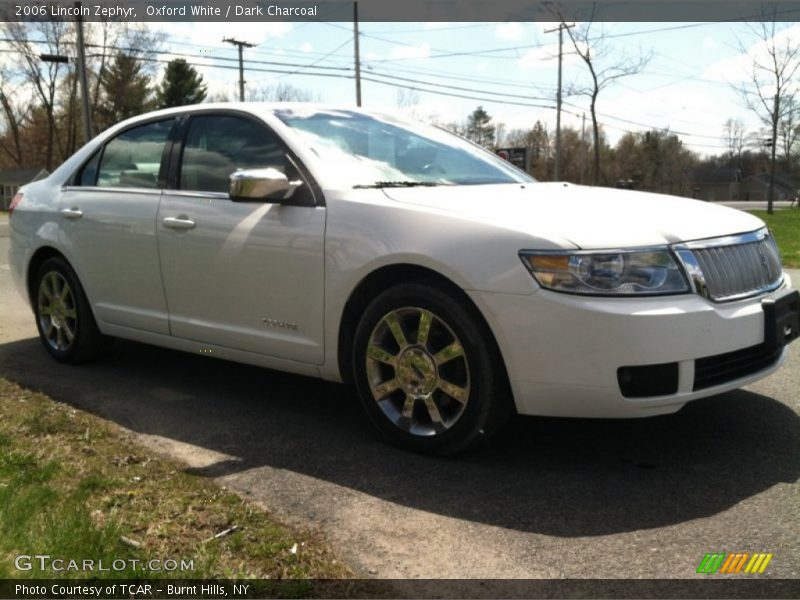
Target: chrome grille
732, 267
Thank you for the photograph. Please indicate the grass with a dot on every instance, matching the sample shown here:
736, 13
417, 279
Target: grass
785, 226
75, 486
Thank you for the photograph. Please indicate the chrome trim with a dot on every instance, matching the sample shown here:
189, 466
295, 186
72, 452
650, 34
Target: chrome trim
728, 240
111, 189
697, 279
198, 194
693, 272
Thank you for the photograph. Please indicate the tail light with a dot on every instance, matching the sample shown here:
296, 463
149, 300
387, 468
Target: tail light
14, 202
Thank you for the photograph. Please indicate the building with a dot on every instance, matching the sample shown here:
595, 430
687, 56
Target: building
715, 183
10, 182
756, 187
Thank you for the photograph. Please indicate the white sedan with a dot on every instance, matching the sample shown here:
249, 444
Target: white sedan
451, 288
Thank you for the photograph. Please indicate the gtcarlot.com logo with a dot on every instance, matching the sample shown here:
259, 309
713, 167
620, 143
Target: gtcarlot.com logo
736, 562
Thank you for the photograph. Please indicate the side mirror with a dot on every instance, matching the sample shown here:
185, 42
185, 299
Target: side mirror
261, 185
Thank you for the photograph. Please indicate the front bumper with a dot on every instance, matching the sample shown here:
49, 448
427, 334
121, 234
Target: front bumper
563, 352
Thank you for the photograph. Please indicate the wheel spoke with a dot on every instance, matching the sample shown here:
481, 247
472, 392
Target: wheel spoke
49, 329
70, 334
454, 391
397, 330
384, 389
46, 290
452, 351
433, 411
45, 310
425, 320
377, 353
64, 293
71, 313
408, 406
54, 285
59, 338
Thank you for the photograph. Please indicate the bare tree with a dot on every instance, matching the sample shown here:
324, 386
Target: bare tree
788, 133
734, 138
43, 76
15, 111
606, 65
282, 92
770, 89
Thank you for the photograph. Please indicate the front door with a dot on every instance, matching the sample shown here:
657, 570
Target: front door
243, 275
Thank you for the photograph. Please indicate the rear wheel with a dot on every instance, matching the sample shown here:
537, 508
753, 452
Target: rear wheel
427, 371
64, 318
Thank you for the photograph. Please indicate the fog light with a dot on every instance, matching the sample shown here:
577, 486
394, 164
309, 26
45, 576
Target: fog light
648, 381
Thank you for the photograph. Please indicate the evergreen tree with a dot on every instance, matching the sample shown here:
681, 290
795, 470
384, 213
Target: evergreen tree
480, 128
125, 92
181, 85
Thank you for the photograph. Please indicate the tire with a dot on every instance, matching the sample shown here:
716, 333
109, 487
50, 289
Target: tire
428, 371
67, 328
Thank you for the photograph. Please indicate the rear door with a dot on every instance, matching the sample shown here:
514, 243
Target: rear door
108, 220
243, 275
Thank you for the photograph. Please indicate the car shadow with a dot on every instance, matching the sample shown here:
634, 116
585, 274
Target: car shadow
565, 477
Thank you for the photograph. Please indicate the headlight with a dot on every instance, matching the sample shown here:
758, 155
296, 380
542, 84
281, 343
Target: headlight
607, 272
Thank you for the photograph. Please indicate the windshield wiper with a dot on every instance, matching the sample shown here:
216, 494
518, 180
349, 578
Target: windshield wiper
390, 184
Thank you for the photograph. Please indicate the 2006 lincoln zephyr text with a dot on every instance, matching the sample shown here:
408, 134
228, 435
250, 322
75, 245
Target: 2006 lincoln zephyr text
449, 287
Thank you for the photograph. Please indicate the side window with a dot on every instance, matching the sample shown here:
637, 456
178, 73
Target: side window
133, 158
88, 174
216, 146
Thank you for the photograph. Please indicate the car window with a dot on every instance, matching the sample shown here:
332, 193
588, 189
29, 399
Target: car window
133, 158
362, 149
216, 146
88, 174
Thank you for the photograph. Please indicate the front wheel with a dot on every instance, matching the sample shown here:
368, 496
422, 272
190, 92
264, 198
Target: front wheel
64, 318
427, 371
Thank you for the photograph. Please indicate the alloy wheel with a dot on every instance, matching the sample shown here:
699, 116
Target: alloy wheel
58, 315
417, 371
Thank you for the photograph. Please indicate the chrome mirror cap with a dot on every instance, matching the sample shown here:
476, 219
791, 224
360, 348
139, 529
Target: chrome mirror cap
261, 185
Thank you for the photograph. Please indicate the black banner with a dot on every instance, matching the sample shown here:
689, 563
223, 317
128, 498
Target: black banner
703, 587
406, 11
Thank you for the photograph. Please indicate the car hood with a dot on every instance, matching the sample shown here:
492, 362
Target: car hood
588, 217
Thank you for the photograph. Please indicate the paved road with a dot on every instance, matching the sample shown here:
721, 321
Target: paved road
553, 498
755, 204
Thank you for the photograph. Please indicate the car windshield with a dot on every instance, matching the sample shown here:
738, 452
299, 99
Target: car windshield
370, 150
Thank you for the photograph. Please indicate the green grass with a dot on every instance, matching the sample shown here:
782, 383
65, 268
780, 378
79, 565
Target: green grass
785, 226
73, 486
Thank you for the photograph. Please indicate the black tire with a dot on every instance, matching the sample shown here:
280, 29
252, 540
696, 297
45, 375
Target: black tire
477, 371
73, 317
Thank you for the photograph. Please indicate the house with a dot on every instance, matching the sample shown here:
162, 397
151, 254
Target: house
756, 187
713, 183
10, 182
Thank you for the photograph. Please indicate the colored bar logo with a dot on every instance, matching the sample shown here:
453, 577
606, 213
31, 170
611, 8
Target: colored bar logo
736, 562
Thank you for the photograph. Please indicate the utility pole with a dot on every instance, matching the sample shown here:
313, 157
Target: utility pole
241, 45
775, 117
87, 118
561, 27
584, 153
357, 56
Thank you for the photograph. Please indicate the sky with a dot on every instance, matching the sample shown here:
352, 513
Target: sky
688, 86
508, 68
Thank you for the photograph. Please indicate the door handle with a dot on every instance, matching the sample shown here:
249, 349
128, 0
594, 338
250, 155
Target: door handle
181, 222
72, 213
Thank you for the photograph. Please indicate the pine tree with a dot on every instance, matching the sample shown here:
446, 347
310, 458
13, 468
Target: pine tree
181, 85
125, 92
480, 128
